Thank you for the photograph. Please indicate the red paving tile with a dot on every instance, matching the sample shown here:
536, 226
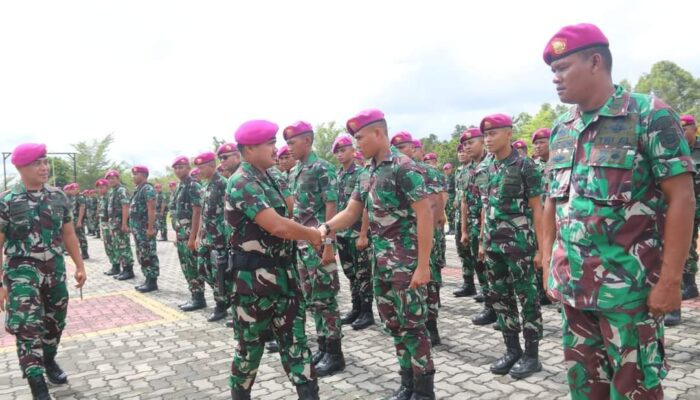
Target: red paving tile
98, 313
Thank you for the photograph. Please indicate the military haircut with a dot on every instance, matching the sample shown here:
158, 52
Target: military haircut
605, 55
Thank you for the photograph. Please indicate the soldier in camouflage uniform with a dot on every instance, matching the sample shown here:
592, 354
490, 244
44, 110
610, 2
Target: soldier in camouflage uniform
142, 221
187, 215
436, 187
35, 228
451, 194
264, 285
314, 187
353, 243
467, 259
118, 221
172, 185
510, 188
471, 206
103, 192
212, 255
90, 210
521, 147
162, 202
618, 221
540, 140
400, 218
78, 202
229, 158
690, 289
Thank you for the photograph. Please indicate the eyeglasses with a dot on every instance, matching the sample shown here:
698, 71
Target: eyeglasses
224, 158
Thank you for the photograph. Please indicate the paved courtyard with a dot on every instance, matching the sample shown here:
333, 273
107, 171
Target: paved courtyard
120, 344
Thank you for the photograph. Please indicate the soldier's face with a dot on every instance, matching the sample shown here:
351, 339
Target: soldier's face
230, 160
691, 134
263, 155
181, 171
418, 154
406, 149
572, 78
139, 178
206, 171
345, 154
448, 171
286, 162
299, 146
102, 190
113, 181
461, 156
36, 173
158, 189
432, 163
497, 139
474, 148
522, 151
368, 140
541, 148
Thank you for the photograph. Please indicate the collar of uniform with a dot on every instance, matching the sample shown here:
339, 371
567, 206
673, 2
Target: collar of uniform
250, 169
615, 106
186, 180
19, 188
393, 153
311, 159
351, 169
508, 160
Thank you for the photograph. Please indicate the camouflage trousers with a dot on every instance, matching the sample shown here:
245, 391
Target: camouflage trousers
147, 254
121, 246
320, 285
259, 310
208, 270
162, 224
437, 258
188, 265
91, 222
512, 276
478, 266
691, 263
450, 212
357, 268
36, 309
107, 241
82, 240
614, 355
404, 313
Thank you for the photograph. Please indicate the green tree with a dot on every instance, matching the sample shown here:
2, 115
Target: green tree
626, 84
61, 171
92, 159
674, 85
324, 135
217, 142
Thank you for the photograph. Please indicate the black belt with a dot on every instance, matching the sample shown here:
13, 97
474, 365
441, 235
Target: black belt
250, 261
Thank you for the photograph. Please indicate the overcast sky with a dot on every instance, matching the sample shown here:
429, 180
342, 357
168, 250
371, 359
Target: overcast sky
166, 76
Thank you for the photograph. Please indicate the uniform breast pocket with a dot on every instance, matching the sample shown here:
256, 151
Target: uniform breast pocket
20, 221
512, 184
610, 174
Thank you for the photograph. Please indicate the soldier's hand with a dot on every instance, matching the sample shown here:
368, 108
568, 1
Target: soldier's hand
79, 225
80, 277
191, 244
316, 241
150, 232
3, 298
362, 242
125, 229
421, 277
464, 239
322, 230
538, 260
481, 254
328, 255
664, 298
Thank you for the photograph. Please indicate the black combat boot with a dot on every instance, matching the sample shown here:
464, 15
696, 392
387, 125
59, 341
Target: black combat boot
229, 324
333, 360
496, 327
127, 273
479, 298
196, 303
690, 288
220, 312
673, 318
84, 254
98, 235
240, 394
317, 356
431, 326
485, 317
53, 371
423, 387
308, 390
529, 363
366, 317
352, 315
116, 270
405, 391
39, 389
513, 352
150, 285
271, 346
467, 289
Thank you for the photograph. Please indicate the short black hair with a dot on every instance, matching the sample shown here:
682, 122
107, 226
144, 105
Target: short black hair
605, 54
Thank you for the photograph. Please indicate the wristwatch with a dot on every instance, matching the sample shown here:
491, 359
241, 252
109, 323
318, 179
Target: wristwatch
328, 227
328, 241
